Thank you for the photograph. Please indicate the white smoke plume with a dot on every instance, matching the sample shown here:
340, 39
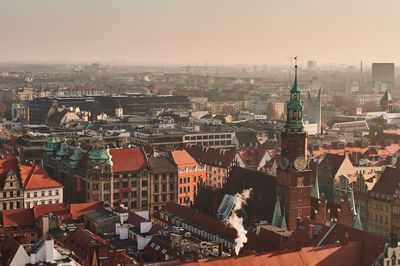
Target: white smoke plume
236, 222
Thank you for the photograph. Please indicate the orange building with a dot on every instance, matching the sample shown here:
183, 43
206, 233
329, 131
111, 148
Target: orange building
190, 175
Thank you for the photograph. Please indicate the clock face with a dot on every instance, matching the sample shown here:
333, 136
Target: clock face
284, 162
300, 163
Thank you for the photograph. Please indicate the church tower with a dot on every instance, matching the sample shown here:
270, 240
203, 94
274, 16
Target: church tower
293, 174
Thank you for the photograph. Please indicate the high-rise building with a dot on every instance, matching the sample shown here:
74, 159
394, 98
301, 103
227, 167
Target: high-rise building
311, 65
293, 175
383, 73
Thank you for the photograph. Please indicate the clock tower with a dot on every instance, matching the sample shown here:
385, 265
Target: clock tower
293, 175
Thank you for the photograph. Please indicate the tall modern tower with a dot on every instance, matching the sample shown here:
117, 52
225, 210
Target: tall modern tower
293, 175
314, 109
383, 72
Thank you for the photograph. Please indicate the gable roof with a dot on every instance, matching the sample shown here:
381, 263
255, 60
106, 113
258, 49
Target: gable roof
128, 160
183, 159
388, 182
334, 160
35, 178
247, 137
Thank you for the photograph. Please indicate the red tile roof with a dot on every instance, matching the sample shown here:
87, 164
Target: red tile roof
79, 209
349, 254
60, 209
183, 160
128, 160
37, 178
18, 217
334, 160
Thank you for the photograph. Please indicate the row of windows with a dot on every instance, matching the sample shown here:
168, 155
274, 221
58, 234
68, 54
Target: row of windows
11, 205
223, 136
379, 206
379, 218
11, 194
43, 193
163, 187
34, 203
184, 180
187, 189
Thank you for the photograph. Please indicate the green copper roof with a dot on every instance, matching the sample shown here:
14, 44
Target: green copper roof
284, 224
75, 157
357, 223
315, 192
294, 121
51, 145
295, 87
277, 218
352, 202
100, 156
63, 151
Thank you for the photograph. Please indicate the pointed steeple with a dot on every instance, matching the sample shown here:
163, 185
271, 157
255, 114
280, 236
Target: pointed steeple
294, 121
277, 218
315, 192
352, 202
357, 223
284, 224
295, 87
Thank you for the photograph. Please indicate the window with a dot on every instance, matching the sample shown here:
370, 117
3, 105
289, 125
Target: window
180, 180
133, 184
144, 203
116, 185
164, 188
133, 194
144, 183
171, 186
11, 184
156, 198
4, 195
4, 206
144, 193
11, 205
28, 195
50, 193
164, 198
116, 196
11, 194
125, 184
188, 179
35, 194
18, 205
133, 204
180, 190
42, 193
125, 195
194, 179
106, 186
18, 193
155, 188
106, 197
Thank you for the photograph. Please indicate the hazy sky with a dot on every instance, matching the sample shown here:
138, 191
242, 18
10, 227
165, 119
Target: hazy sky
189, 31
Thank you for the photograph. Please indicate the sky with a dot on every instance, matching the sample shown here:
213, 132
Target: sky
196, 31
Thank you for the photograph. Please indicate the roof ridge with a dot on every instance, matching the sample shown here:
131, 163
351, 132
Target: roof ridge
30, 175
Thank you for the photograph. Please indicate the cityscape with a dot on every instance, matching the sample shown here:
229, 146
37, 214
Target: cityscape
173, 133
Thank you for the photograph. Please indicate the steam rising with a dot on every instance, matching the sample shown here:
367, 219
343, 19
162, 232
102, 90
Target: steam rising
236, 222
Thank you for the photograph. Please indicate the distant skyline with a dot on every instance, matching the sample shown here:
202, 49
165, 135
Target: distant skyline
190, 32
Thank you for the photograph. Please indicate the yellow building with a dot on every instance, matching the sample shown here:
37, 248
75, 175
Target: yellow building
379, 202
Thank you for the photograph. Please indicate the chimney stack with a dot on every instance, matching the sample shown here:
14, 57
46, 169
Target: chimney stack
311, 231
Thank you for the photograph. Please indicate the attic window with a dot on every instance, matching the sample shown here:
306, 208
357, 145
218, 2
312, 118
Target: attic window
152, 245
157, 247
164, 251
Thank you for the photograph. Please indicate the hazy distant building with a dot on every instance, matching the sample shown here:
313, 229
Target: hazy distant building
314, 110
311, 65
383, 72
386, 102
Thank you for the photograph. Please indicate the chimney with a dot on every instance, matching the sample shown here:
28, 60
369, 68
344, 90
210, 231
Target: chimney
311, 231
45, 226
